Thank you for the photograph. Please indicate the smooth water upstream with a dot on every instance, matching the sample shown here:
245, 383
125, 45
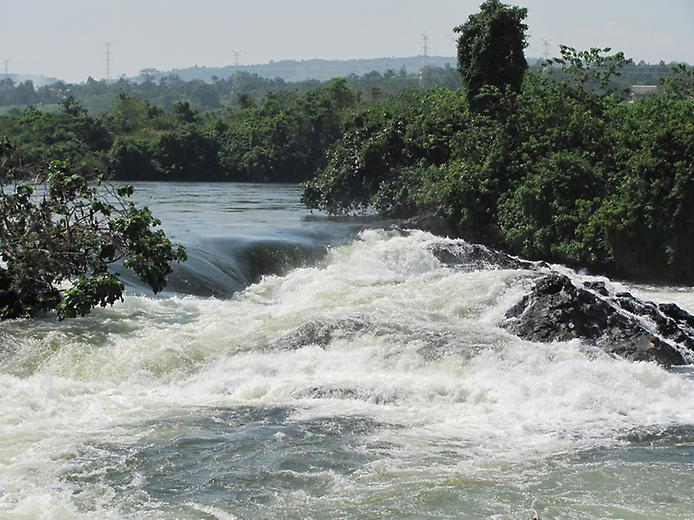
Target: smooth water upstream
354, 377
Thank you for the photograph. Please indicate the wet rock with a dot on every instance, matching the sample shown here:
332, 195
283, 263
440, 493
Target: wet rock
558, 310
433, 344
319, 333
474, 257
345, 393
434, 224
598, 287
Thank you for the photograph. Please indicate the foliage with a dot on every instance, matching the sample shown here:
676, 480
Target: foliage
286, 137
681, 83
235, 90
381, 139
563, 169
282, 139
590, 64
187, 153
490, 49
549, 162
65, 229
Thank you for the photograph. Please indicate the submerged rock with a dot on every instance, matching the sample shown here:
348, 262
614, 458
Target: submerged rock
319, 332
343, 392
558, 310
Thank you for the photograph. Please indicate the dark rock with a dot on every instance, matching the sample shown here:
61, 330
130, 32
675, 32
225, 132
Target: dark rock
434, 224
598, 287
321, 332
621, 324
474, 257
676, 313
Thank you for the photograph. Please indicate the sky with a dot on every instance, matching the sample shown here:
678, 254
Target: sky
65, 38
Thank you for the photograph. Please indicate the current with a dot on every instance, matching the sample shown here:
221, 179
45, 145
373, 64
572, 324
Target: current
306, 367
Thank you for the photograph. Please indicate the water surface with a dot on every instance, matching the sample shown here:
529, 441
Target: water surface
306, 367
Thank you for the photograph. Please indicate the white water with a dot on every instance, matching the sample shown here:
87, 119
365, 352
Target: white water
416, 405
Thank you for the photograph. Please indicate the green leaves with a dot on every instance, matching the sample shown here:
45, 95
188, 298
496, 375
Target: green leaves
592, 65
491, 49
126, 190
69, 230
90, 291
379, 142
559, 167
147, 250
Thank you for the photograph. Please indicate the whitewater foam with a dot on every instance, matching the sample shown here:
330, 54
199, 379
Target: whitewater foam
403, 340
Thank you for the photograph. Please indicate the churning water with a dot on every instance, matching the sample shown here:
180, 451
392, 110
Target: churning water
305, 367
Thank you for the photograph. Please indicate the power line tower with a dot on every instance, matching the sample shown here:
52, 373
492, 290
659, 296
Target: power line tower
6, 62
235, 75
425, 49
108, 61
424, 72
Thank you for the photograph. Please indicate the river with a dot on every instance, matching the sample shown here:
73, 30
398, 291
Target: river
300, 366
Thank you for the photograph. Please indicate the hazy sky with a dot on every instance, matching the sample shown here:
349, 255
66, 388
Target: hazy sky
65, 38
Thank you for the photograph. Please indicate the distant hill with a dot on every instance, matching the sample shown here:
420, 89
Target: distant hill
37, 80
300, 70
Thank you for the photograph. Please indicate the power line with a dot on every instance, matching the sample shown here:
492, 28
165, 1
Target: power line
236, 75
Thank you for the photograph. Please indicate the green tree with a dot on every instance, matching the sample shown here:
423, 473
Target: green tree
490, 49
67, 229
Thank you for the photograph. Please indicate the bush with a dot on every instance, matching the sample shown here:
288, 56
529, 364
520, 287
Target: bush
130, 158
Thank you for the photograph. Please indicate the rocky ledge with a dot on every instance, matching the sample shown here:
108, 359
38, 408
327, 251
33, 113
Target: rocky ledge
556, 309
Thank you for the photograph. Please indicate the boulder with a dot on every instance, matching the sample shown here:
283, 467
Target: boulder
557, 309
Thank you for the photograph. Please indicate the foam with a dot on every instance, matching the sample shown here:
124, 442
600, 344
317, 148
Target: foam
429, 363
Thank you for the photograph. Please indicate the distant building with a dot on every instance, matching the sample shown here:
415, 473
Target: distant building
641, 91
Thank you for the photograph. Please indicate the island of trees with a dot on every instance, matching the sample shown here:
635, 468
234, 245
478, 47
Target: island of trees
552, 162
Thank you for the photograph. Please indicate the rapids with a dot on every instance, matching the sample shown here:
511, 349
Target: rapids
306, 367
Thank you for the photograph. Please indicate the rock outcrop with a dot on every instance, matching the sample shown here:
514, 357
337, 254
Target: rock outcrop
619, 323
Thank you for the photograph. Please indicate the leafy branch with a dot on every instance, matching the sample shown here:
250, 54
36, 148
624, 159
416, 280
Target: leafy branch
64, 228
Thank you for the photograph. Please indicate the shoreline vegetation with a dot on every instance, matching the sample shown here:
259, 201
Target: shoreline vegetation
556, 169
550, 162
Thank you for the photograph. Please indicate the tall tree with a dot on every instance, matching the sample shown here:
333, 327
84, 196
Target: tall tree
490, 48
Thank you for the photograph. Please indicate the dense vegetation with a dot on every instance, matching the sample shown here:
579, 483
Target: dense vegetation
237, 89
63, 228
556, 170
284, 138
234, 91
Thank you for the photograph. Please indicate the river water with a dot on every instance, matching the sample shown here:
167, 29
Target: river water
306, 367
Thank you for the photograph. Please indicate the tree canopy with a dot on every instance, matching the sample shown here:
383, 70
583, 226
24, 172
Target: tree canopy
491, 48
553, 164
